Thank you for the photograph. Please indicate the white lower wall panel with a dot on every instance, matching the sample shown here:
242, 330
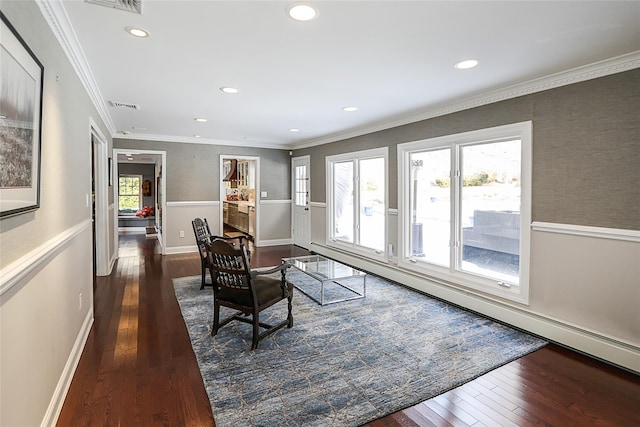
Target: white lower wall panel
44, 318
178, 219
584, 287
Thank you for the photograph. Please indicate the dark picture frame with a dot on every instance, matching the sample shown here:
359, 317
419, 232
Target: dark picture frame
21, 90
110, 171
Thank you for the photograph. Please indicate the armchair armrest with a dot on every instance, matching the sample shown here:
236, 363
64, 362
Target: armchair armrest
281, 267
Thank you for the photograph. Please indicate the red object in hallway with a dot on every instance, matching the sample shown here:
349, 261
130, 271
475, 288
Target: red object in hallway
145, 212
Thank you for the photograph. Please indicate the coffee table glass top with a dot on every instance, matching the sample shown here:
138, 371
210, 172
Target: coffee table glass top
323, 268
331, 281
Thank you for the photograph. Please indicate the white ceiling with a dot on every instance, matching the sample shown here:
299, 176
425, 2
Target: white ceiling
392, 59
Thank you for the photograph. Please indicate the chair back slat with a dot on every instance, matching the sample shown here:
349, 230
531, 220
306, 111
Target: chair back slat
201, 230
230, 264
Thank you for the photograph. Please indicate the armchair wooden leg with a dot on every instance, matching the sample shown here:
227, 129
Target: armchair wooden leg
256, 330
290, 316
216, 319
204, 272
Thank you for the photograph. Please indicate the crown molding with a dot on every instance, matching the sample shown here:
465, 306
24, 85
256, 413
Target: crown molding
58, 20
603, 68
194, 140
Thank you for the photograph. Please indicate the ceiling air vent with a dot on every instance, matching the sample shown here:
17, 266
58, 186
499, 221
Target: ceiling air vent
134, 6
124, 105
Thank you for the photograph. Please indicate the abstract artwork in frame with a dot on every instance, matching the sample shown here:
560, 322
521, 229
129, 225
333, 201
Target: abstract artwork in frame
21, 83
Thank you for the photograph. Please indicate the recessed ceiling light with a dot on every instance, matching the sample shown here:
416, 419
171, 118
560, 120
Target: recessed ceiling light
294, 130
138, 32
465, 65
201, 120
302, 11
196, 136
229, 90
349, 109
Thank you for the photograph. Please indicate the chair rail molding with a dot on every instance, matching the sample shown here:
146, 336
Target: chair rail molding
189, 203
35, 259
587, 231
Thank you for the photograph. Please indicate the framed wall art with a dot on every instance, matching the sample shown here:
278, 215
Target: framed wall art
21, 83
110, 171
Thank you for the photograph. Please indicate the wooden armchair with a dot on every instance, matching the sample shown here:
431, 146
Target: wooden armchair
203, 236
238, 287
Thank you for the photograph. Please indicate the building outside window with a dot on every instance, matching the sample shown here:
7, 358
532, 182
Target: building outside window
357, 201
129, 194
465, 210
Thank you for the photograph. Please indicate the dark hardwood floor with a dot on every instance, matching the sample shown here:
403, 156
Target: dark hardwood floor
138, 368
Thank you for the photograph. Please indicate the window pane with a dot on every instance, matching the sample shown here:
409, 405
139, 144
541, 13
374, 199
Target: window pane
128, 194
301, 186
128, 203
343, 201
490, 210
372, 203
430, 200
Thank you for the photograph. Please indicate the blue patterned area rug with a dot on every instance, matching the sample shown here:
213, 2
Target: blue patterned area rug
343, 364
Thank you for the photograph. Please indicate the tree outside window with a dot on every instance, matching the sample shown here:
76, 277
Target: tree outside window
129, 194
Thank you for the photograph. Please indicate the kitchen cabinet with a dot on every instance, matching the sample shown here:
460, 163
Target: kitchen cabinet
243, 173
237, 215
252, 221
233, 215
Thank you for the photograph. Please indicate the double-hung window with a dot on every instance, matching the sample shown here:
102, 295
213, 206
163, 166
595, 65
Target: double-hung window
129, 194
465, 208
357, 201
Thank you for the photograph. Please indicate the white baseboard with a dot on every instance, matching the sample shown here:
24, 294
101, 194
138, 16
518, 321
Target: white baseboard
112, 261
132, 230
60, 393
180, 250
274, 242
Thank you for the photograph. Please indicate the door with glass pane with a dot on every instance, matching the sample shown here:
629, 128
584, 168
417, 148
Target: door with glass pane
301, 224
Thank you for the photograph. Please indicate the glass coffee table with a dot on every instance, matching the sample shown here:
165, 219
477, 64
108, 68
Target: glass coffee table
338, 282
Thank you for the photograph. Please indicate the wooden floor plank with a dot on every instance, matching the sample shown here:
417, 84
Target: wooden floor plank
138, 367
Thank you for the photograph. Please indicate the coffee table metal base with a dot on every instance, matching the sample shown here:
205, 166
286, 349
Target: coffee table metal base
324, 301
328, 273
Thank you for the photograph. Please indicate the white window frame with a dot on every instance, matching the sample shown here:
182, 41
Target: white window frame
356, 157
140, 199
451, 275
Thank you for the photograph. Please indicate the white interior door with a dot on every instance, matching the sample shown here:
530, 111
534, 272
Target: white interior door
301, 224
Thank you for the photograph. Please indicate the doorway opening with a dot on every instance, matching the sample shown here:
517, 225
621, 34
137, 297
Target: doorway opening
239, 194
139, 198
102, 259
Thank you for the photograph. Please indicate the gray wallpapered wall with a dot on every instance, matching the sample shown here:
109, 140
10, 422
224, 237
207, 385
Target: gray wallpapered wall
193, 170
586, 149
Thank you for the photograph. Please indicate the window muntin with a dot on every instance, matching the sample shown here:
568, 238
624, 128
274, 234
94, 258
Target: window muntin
301, 183
465, 208
357, 201
129, 194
